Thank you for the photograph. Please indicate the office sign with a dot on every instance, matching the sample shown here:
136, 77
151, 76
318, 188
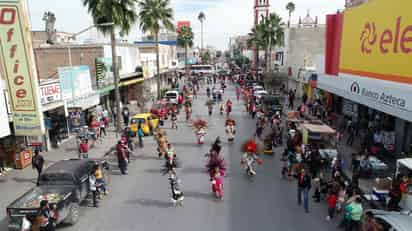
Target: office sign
17, 62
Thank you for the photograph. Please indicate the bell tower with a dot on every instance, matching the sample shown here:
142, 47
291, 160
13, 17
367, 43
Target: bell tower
261, 9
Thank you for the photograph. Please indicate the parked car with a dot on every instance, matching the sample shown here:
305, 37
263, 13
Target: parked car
260, 94
393, 221
172, 96
160, 109
143, 118
65, 185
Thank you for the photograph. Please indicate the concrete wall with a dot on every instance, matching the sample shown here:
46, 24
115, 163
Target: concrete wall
304, 47
48, 59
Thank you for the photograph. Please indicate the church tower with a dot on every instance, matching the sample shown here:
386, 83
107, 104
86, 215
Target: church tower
261, 9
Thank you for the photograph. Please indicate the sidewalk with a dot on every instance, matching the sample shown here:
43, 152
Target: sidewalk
17, 182
365, 184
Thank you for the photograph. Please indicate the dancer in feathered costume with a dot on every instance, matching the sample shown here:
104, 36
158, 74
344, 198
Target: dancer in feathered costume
169, 167
230, 129
200, 127
215, 162
249, 158
217, 183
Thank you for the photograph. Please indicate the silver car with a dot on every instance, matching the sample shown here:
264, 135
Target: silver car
393, 221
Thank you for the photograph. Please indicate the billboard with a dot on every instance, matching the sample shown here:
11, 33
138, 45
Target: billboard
76, 87
17, 65
74, 81
104, 72
181, 24
377, 41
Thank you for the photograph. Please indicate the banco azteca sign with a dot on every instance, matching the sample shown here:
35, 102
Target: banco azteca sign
381, 97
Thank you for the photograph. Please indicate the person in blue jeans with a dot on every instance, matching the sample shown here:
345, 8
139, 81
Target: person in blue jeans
304, 185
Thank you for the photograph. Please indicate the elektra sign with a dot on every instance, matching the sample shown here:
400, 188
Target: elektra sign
379, 96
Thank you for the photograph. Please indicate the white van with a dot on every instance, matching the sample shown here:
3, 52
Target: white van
172, 96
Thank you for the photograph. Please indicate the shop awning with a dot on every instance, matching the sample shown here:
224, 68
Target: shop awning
129, 82
324, 129
51, 106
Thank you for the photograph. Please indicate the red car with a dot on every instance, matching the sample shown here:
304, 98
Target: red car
160, 109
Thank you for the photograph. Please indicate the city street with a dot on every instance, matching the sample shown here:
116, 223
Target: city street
141, 200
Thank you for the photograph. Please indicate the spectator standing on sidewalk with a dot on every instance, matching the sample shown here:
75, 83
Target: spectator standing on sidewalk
38, 163
354, 211
102, 127
126, 116
370, 223
84, 149
304, 185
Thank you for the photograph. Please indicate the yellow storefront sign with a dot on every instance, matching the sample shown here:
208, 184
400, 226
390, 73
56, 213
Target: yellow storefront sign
377, 41
17, 65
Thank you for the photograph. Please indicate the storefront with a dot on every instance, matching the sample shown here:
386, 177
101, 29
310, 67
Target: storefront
372, 75
54, 113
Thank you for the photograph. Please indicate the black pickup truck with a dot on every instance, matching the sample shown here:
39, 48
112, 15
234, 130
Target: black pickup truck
64, 184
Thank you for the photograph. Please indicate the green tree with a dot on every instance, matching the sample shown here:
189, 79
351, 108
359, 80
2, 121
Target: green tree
257, 40
185, 40
273, 36
206, 58
122, 15
290, 7
153, 15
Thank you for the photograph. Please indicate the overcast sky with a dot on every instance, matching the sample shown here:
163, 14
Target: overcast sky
224, 18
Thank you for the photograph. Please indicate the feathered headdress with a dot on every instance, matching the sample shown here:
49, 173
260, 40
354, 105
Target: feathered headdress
199, 123
250, 146
215, 161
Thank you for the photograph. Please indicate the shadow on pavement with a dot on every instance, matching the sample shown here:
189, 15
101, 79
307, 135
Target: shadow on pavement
153, 170
151, 203
191, 144
22, 180
199, 195
144, 157
3, 180
194, 170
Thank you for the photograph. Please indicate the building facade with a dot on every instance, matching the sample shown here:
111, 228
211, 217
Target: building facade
367, 69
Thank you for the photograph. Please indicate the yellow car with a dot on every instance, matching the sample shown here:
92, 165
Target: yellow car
144, 120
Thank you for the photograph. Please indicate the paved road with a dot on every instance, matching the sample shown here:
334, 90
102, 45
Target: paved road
141, 200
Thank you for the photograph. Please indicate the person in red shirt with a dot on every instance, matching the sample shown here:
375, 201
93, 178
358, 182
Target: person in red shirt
84, 149
332, 199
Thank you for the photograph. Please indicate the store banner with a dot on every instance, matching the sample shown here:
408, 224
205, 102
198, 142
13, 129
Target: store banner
377, 41
19, 70
50, 92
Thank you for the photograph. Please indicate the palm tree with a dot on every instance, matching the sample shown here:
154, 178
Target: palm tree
291, 8
202, 18
185, 39
122, 15
273, 35
153, 15
256, 40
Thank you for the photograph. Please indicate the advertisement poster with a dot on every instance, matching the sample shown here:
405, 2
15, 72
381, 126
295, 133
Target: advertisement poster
18, 69
4, 127
74, 81
104, 72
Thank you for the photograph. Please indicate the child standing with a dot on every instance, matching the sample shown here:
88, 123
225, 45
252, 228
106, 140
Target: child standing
332, 199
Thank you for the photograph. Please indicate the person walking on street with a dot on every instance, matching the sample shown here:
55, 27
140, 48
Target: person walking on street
237, 93
102, 127
354, 211
93, 188
122, 157
174, 120
38, 163
84, 149
304, 185
126, 116
332, 200
140, 134
47, 216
